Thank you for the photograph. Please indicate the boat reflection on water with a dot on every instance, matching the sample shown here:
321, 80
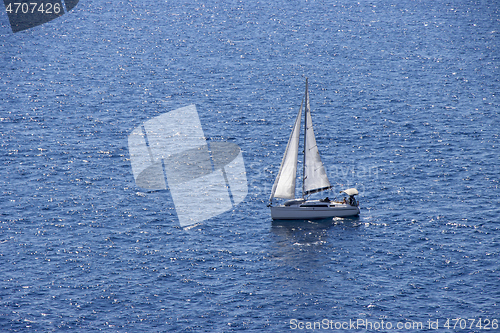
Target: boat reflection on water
311, 232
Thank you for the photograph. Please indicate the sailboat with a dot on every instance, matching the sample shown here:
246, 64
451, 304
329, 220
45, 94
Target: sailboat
314, 179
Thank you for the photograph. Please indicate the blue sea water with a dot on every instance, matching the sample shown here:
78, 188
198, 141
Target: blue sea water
406, 108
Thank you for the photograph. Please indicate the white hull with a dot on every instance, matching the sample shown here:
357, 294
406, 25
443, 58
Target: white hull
296, 212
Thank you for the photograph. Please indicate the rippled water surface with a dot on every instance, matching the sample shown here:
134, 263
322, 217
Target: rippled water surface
405, 100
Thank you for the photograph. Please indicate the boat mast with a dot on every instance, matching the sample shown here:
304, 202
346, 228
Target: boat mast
306, 109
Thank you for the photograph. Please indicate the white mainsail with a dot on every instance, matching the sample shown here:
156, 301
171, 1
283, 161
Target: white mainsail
315, 178
314, 174
284, 185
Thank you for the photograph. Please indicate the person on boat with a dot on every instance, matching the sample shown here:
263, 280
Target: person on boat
326, 199
352, 201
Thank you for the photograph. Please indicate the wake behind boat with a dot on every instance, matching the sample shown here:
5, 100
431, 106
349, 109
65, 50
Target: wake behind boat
314, 178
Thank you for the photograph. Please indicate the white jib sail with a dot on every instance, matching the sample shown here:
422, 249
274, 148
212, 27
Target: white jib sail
315, 178
284, 185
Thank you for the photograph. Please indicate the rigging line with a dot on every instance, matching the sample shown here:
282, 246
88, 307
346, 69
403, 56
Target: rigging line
307, 108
